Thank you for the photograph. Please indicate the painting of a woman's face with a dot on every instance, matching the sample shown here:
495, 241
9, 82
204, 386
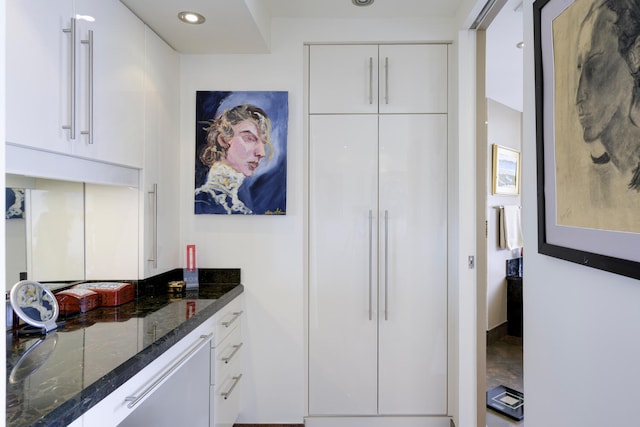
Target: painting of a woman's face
605, 84
246, 149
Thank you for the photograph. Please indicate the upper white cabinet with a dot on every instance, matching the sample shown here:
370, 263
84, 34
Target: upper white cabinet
38, 69
112, 106
161, 149
371, 79
75, 86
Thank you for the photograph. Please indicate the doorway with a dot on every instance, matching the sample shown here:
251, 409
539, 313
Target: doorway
499, 121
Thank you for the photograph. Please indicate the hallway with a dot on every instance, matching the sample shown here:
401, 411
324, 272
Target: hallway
504, 367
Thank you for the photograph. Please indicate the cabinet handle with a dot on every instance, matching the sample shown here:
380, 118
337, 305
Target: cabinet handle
154, 247
226, 394
386, 80
134, 400
89, 131
71, 127
370, 80
233, 353
370, 264
236, 314
386, 264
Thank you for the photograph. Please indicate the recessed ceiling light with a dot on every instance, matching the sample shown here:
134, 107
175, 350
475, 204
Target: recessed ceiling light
191, 17
362, 2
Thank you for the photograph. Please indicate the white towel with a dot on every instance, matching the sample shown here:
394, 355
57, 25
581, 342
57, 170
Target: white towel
510, 227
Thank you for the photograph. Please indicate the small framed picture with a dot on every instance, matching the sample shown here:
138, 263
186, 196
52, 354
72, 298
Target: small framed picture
506, 171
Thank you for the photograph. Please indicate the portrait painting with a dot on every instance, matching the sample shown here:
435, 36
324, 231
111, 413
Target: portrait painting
587, 56
14, 203
241, 152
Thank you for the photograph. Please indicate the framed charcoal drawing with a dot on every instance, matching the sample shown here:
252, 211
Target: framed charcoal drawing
588, 132
506, 171
241, 152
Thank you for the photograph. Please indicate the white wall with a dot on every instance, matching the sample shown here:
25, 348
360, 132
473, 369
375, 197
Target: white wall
3, 8
271, 251
504, 128
581, 325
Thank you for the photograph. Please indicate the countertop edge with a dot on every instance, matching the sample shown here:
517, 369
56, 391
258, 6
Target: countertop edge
94, 393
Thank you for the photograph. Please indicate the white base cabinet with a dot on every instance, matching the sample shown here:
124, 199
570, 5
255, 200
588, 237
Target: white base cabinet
226, 365
195, 383
182, 400
164, 389
378, 422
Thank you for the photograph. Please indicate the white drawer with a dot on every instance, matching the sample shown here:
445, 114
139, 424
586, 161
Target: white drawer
226, 393
116, 406
226, 357
228, 319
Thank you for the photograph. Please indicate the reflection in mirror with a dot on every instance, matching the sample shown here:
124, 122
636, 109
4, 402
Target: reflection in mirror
48, 241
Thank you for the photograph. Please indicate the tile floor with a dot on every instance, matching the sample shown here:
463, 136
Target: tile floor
504, 367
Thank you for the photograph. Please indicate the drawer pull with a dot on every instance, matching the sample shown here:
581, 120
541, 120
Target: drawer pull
236, 314
134, 400
233, 353
226, 394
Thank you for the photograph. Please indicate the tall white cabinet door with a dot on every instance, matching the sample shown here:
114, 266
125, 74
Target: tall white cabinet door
413, 78
161, 149
114, 113
342, 301
413, 265
343, 79
38, 73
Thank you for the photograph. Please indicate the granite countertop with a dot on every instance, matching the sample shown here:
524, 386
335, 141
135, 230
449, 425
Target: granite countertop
54, 379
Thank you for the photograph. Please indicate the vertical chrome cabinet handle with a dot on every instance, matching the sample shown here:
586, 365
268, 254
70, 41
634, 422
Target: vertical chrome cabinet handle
370, 80
89, 131
386, 264
154, 218
370, 264
386, 80
71, 127
226, 394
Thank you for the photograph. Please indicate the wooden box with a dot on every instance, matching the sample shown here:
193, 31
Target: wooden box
72, 301
111, 293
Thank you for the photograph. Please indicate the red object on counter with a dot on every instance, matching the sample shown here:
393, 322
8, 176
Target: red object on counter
77, 300
111, 293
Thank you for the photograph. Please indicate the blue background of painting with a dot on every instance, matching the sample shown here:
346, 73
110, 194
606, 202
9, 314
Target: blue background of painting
266, 190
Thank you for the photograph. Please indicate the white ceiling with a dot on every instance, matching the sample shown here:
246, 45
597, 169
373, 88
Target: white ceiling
242, 26
505, 62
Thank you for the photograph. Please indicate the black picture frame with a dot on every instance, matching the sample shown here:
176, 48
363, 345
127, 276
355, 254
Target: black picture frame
590, 247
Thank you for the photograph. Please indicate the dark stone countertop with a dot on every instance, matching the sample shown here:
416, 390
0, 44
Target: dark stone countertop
53, 381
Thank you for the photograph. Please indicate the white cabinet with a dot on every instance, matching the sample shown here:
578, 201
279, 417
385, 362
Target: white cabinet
225, 388
226, 365
160, 394
38, 73
161, 149
378, 263
183, 400
112, 107
75, 87
410, 78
